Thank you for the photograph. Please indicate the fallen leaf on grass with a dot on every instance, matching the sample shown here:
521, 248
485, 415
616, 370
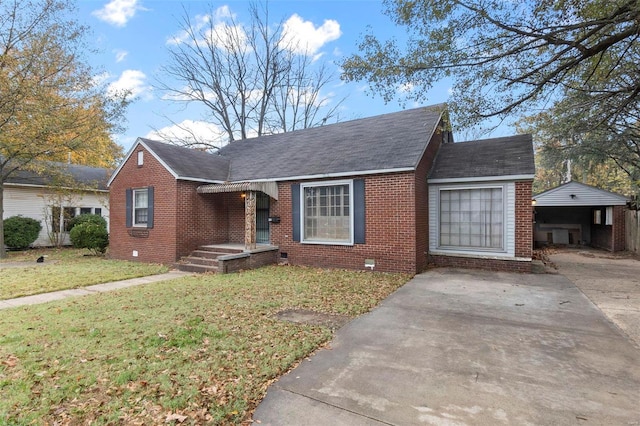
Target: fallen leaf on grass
11, 361
175, 417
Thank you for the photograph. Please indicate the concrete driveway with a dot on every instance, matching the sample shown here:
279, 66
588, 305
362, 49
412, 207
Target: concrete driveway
610, 280
456, 347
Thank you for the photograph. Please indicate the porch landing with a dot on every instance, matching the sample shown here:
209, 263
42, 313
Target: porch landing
227, 257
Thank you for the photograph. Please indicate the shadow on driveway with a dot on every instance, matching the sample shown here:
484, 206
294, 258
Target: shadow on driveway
455, 347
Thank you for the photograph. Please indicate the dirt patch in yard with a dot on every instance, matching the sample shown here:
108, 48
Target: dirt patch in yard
304, 316
610, 280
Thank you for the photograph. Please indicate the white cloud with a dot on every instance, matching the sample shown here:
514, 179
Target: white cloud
118, 12
191, 132
120, 55
306, 38
133, 82
219, 34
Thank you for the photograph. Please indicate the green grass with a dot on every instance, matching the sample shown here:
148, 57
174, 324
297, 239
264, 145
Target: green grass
203, 347
64, 269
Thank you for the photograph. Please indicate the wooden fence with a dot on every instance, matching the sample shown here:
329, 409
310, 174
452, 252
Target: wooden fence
632, 230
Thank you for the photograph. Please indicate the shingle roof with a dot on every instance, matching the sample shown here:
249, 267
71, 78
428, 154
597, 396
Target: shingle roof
385, 142
190, 164
94, 177
506, 156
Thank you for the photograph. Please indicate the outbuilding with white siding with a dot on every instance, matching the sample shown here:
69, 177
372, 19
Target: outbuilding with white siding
578, 214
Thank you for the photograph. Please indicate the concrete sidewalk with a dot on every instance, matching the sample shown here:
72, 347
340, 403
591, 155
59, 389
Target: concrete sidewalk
92, 289
456, 347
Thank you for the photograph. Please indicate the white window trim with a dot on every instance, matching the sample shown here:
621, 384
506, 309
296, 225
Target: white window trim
140, 158
351, 215
133, 208
608, 216
473, 250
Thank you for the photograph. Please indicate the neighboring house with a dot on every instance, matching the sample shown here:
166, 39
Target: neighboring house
578, 214
352, 195
54, 199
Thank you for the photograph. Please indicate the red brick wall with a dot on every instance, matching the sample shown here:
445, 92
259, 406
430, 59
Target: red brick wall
422, 200
609, 237
389, 235
524, 219
475, 263
235, 205
201, 219
618, 230
160, 245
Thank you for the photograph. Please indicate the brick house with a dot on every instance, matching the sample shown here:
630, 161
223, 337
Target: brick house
356, 194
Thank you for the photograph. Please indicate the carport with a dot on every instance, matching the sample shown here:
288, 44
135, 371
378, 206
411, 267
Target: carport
576, 214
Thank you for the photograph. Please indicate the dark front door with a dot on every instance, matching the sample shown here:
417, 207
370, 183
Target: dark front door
262, 218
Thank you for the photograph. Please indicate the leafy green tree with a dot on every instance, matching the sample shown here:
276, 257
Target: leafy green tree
508, 57
50, 105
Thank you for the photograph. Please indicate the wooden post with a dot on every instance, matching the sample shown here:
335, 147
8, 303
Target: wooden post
250, 220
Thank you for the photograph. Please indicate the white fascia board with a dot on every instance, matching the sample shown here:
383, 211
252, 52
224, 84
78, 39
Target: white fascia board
130, 153
190, 179
481, 179
30, 185
331, 175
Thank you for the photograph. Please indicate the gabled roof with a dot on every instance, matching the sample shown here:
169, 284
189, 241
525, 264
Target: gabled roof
189, 164
389, 142
578, 194
183, 163
506, 157
92, 177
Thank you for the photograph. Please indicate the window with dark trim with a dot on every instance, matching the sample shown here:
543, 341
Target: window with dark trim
329, 212
139, 207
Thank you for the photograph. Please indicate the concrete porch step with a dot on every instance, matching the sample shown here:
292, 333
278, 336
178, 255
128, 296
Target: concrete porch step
199, 269
197, 260
206, 254
220, 249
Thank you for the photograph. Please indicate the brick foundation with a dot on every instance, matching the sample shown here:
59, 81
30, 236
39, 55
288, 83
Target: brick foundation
478, 263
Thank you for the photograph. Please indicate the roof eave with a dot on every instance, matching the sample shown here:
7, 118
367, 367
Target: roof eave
483, 179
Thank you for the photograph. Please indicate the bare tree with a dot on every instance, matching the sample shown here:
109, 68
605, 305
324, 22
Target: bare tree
252, 78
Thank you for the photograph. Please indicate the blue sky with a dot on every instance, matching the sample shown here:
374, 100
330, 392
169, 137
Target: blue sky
131, 37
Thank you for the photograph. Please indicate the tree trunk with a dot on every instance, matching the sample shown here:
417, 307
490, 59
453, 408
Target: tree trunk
3, 252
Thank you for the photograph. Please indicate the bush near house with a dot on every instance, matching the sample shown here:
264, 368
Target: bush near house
20, 232
88, 218
90, 235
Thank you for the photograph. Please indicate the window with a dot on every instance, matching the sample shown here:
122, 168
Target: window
66, 214
472, 218
98, 211
85, 210
597, 217
608, 216
140, 158
326, 213
140, 207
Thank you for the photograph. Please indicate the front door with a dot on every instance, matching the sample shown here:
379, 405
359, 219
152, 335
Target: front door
262, 218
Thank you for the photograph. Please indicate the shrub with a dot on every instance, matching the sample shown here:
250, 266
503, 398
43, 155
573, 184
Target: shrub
88, 218
20, 232
90, 236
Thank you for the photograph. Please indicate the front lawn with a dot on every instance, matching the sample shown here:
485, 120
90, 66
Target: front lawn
193, 350
64, 269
